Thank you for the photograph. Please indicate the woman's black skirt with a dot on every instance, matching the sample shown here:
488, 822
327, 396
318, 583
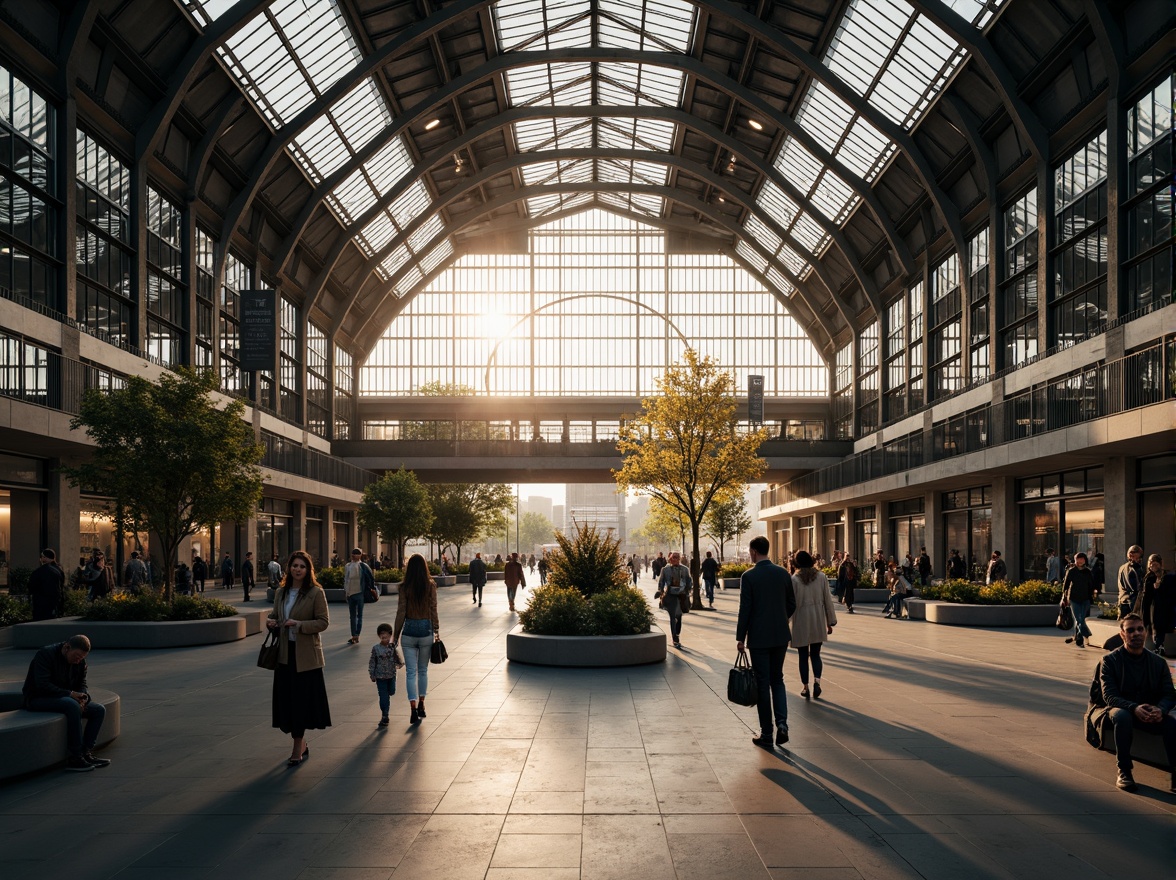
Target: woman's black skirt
300, 698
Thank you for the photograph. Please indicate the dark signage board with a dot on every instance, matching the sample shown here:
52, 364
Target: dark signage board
259, 328
755, 398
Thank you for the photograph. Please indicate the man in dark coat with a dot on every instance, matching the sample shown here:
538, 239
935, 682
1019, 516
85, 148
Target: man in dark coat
477, 577
56, 682
248, 577
199, 573
226, 572
766, 601
47, 587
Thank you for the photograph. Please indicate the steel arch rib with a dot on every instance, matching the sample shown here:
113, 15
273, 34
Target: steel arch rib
594, 186
769, 172
522, 160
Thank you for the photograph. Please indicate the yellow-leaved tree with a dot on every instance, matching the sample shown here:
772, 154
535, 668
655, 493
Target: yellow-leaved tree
684, 450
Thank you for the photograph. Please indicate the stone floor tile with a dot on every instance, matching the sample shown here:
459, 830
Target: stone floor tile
539, 802
625, 848
537, 851
714, 856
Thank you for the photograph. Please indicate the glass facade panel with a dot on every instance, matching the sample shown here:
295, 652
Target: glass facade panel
1078, 298
104, 243
1019, 290
167, 301
1151, 234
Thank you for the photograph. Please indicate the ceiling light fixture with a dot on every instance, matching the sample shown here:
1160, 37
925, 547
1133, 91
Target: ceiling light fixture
458, 165
756, 124
731, 164
432, 123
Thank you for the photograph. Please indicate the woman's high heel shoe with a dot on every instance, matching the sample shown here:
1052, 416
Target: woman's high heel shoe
415, 718
294, 762
804, 692
421, 708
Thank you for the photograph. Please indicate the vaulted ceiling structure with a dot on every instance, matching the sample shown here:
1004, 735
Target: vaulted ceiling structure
355, 148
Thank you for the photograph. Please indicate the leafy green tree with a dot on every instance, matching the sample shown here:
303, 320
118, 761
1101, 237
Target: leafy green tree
534, 528
684, 449
173, 459
397, 506
462, 511
727, 519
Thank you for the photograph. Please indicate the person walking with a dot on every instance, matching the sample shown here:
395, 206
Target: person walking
417, 627
813, 621
512, 574
878, 565
710, 577
543, 568
923, 566
1053, 567
1163, 606
766, 602
478, 577
357, 580
248, 575
1130, 581
382, 666
957, 569
273, 571
135, 574
199, 573
673, 588
1078, 591
997, 570
47, 587
634, 568
847, 576
98, 577
300, 690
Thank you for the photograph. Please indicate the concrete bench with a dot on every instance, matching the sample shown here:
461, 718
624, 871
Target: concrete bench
1146, 747
31, 741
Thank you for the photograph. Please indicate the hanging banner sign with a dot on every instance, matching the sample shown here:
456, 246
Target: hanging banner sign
755, 399
259, 327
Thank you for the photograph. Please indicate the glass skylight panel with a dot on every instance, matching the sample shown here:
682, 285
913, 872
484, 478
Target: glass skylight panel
550, 134
763, 234
290, 55
364, 187
550, 84
808, 233
526, 24
777, 280
436, 256
352, 197
389, 165
829, 120
978, 12
207, 11
751, 256
425, 233
794, 261
658, 25
408, 282
537, 173
358, 116
917, 72
777, 204
394, 262
377, 233
412, 203
652, 85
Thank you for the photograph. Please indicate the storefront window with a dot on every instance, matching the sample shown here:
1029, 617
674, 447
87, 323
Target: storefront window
865, 533
967, 527
1041, 525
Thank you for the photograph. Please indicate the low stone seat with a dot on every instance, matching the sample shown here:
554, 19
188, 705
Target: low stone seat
1146, 747
31, 741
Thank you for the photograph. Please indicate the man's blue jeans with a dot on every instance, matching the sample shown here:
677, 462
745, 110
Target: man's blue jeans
94, 713
1125, 723
355, 613
709, 583
1080, 610
768, 666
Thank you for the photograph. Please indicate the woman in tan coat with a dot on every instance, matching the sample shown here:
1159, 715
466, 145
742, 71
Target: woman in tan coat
300, 692
813, 621
416, 628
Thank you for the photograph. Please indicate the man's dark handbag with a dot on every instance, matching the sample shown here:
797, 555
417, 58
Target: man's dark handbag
267, 657
684, 601
370, 595
741, 687
439, 655
1065, 618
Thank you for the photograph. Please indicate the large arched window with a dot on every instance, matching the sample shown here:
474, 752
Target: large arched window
598, 307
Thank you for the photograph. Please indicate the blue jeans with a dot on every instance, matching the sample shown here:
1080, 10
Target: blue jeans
416, 641
94, 713
385, 687
355, 613
709, 583
768, 666
1080, 610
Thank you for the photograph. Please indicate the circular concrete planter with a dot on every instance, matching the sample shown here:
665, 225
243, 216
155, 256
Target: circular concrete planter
917, 608
134, 634
445, 580
31, 741
581, 651
955, 614
389, 588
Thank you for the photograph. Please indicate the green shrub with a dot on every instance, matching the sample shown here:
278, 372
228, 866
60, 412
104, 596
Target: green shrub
1107, 611
1037, 593
588, 561
149, 607
76, 603
460, 568
495, 566
14, 609
733, 569
965, 592
331, 578
388, 575
434, 568
18, 581
621, 612
556, 611
1002, 593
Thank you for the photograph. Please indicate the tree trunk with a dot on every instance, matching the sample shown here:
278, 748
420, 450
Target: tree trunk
695, 566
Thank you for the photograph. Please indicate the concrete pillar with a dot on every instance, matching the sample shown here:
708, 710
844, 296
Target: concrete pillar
1120, 509
63, 514
851, 547
936, 546
25, 528
1006, 530
885, 532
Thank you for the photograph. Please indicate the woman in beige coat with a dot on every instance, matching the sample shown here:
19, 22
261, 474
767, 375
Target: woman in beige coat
813, 621
300, 692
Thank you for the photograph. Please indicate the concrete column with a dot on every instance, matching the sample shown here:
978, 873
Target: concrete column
851, 546
63, 515
25, 538
1006, 530
936, 547
1120, 509
885, 536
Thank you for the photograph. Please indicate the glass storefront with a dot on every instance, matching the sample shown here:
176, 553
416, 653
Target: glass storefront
865, 534
1061, 512
908, 528
275, 530
832, 533
806, 534
314, 536
967, 527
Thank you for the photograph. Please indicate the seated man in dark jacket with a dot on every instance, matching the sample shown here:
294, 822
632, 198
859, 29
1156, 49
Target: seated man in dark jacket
57, 683
1137, 685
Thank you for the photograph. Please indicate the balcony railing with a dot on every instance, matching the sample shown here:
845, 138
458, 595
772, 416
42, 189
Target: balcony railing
1140, 379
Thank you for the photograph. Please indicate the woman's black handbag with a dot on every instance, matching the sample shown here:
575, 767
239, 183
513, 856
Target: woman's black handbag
370, 595
684, 601
1065, 618
741, 687
439, 655
267, 657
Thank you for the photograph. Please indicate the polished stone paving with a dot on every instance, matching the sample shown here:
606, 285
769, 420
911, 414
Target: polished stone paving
935, 752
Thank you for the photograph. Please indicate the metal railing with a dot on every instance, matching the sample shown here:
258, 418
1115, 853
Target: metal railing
1140, 379
285, 455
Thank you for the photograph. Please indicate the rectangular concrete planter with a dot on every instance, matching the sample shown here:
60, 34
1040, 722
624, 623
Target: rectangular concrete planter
870, 596
586, 651
956, 614
730, 583
445, 580
462, 578
131, 634
496, 575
